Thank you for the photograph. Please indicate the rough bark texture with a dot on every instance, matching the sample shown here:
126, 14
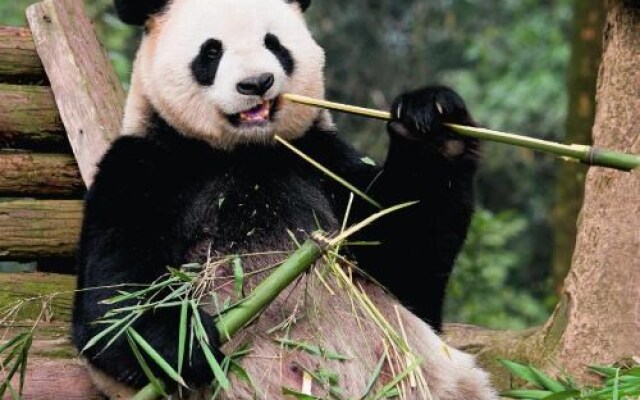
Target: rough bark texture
19, 62
31, 229
29, 118
586, 51
39, 175
88, 93
603, 288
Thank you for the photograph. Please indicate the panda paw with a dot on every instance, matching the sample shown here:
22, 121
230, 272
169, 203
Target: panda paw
420, 116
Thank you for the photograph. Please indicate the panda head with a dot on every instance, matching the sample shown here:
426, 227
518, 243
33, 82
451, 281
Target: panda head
216, 69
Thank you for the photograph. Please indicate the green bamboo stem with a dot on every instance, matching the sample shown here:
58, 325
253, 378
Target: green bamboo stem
569, 152
231, 322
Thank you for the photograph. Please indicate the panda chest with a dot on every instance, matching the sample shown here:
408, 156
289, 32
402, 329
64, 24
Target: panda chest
245, 211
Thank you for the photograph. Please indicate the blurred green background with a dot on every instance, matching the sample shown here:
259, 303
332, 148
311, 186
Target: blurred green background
511, 61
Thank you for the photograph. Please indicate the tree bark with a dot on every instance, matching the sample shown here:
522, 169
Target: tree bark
586, 51
597, 320
19, 62
31, 229
603, 288
28, 174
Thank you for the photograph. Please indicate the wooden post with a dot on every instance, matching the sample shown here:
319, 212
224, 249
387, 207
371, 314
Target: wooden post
87, 91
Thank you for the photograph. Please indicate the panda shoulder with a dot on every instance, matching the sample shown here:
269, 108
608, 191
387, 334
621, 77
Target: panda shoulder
130, 162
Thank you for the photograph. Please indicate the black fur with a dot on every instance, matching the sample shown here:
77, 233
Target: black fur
304, 4
156, 197
136, 12
283, 54
205, 65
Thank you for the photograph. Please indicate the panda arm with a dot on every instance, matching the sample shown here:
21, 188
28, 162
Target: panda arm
130, 235
430, 164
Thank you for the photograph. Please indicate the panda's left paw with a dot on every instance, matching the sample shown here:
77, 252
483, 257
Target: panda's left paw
421, 116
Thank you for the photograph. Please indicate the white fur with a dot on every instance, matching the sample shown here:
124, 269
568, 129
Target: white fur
162, 73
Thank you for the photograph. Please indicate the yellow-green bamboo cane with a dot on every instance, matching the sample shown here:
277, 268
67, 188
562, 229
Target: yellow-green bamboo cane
570, 152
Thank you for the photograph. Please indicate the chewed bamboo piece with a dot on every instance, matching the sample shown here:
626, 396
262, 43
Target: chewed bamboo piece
589, 155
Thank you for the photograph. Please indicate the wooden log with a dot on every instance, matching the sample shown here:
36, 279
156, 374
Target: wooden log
32, 291
19, 62
87, 90
30, 174
53, 370
29, 118
32, 229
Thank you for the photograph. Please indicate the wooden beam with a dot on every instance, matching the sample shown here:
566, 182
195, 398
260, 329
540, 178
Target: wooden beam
53, 370
87, 91
19, 62
29, 118
30, 174
32, 229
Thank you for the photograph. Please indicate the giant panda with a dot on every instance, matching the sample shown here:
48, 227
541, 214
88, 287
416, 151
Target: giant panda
197, 174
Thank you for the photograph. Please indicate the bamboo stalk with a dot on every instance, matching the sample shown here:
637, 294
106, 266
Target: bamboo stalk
569, 152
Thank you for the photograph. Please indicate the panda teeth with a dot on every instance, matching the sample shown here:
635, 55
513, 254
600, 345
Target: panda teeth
260, 113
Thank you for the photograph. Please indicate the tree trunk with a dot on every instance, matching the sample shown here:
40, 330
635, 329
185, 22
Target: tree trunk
597, 320
603, 288
586, 51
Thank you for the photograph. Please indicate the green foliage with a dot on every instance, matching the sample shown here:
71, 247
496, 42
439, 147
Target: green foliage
618, 383
13, 360
479, 292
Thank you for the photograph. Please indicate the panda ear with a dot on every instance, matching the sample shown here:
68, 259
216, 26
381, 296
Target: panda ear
304, 4
136, 12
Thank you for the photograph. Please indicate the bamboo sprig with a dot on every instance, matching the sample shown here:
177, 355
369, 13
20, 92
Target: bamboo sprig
589, 155
230, 322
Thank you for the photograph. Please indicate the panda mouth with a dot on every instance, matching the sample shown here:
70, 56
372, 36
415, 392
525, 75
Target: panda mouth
261, 114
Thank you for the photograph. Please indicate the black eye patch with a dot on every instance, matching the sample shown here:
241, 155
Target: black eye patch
205, 65
272, 43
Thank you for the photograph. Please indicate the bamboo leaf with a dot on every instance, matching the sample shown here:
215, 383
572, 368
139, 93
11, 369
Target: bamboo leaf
25, 355
312, 349
13, 341
521, 371
157, 384
218, 373
527, 394
180, 275
374, 377
201, 335
156, 357
298, 395
182, 334
546, 382
608, 372
567, 394
389, 386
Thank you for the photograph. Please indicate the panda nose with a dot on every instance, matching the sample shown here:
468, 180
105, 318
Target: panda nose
256, 85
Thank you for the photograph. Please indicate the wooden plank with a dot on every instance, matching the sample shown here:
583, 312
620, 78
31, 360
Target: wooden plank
30, 174
19, 62
29, 118
87, 91
32, 229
